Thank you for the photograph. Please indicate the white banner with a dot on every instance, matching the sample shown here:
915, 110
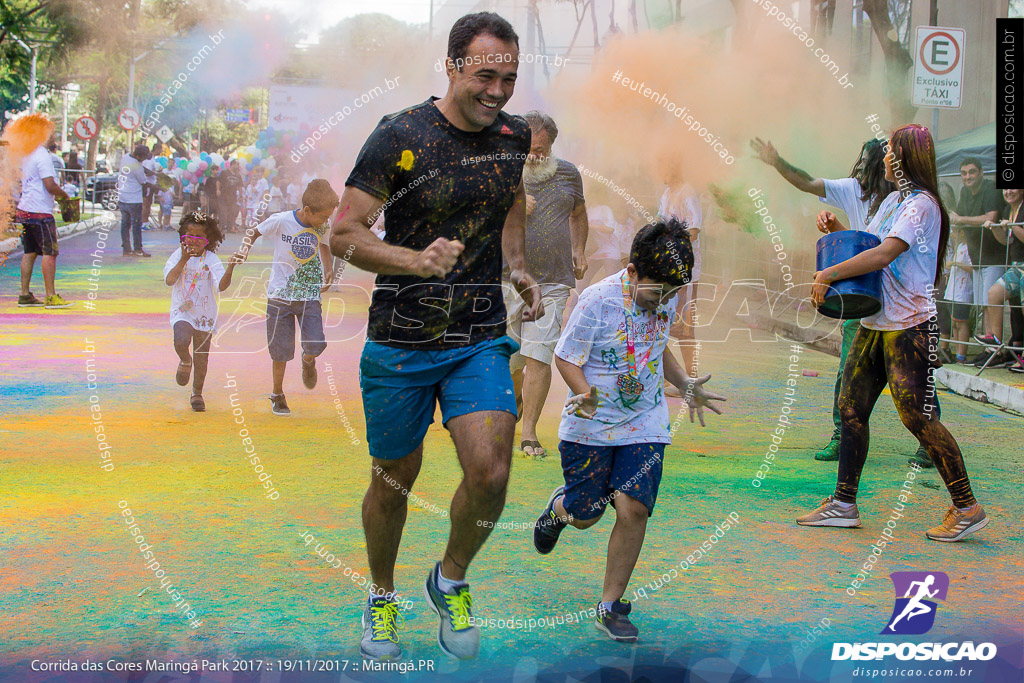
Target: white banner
294, 105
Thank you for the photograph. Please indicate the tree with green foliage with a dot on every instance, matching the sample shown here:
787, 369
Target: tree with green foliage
49, 27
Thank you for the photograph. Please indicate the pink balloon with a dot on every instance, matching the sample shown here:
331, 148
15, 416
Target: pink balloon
203, 165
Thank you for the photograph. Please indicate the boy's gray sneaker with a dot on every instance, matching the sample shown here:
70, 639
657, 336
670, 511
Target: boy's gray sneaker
549, 525
278, 405
456, 635
380, 630
616, 624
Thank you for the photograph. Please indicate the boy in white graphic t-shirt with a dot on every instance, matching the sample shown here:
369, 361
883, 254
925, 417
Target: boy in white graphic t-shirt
301, 272
612, 354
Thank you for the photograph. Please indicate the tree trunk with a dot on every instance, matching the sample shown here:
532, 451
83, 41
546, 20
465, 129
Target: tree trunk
576, 33
593, 19
102, 101
898, 62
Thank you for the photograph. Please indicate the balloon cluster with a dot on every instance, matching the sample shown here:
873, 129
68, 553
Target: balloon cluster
281, 144
196, 169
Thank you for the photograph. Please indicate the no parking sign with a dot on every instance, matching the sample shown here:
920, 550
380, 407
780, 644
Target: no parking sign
939, 67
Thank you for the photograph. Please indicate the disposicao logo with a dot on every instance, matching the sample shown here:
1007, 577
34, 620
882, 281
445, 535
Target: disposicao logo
914, 614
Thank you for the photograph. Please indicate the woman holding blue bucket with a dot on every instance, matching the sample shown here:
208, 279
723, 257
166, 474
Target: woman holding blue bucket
859, 196
899, 344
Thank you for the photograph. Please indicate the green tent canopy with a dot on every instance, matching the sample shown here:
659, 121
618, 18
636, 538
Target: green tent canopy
980, 142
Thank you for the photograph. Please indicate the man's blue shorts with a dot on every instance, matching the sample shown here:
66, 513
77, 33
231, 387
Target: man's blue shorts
594, 473
401, 387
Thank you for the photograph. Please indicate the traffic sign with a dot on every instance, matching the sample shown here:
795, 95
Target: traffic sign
938, 71
238, 116
129, 119
86, 128
164, 134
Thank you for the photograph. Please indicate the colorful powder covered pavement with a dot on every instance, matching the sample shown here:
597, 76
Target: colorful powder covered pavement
763, 599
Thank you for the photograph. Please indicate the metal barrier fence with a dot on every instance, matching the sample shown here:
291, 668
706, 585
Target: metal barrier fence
98, 190
732, 253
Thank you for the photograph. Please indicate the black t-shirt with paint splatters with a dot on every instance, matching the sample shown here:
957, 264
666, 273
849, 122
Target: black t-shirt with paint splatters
439, 181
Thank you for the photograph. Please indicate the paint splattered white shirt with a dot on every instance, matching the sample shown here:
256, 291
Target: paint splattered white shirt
907, 282
194, 295
594, 339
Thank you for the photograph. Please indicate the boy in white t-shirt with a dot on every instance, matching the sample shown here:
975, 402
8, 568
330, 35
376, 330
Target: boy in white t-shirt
196, 275
301, 272
960, 291
612, 354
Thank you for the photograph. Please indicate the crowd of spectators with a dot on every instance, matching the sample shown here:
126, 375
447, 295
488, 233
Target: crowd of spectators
984, 265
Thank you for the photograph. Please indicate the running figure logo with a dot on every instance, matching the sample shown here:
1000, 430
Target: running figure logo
914, 612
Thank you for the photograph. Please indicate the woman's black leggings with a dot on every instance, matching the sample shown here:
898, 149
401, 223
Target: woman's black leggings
904, 359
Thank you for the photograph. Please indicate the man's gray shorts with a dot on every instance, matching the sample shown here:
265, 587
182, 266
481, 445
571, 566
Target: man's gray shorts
281, 317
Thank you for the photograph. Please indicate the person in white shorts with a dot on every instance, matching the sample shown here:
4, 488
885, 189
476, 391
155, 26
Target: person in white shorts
556, 237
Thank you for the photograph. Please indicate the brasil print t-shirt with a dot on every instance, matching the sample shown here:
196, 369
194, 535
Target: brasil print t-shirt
297, 274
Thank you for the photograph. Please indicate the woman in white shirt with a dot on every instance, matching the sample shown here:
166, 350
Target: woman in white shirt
859, 197
898, 345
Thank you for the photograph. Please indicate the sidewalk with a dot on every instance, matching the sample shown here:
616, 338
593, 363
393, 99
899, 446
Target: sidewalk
999, 387
10, 245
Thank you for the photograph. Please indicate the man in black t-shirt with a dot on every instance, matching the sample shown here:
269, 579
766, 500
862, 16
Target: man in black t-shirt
447, 173
212, 191
980, 201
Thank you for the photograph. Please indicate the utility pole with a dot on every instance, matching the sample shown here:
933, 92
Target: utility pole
933, 20
64, 122
131, 77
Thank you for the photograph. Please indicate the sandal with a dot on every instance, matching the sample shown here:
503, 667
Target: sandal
198, 404
184, 370
535, 445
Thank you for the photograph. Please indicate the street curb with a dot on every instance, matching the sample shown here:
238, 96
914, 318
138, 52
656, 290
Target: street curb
963, 384
982, 390
809, 337
8, 246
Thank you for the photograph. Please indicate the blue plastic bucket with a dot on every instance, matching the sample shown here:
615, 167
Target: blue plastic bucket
855, 297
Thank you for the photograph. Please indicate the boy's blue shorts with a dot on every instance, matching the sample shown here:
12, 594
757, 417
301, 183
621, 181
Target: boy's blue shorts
401, 387
593, 473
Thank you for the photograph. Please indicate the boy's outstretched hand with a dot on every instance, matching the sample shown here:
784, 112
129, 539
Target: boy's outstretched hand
697, 398
583, 405
238, 257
